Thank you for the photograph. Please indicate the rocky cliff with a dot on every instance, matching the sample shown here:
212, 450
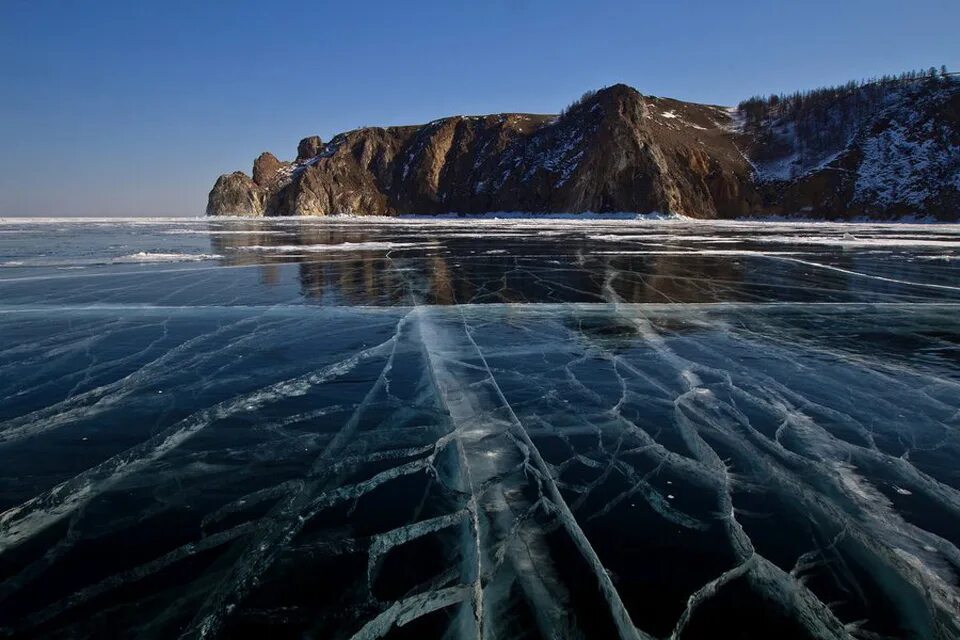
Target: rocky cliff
619, 150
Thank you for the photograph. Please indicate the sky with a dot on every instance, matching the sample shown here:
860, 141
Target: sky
120, 107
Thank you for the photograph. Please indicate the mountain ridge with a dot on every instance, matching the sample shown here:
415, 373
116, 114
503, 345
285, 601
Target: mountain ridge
894, 154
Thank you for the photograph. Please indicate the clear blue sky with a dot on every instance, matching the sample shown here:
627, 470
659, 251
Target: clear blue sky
131, 107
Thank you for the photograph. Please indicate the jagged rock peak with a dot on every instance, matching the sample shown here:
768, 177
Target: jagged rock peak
308, 148
613, 96
236, 194
265, 168
618, 92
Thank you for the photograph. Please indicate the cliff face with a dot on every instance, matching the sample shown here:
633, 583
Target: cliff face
617, 150
236, 194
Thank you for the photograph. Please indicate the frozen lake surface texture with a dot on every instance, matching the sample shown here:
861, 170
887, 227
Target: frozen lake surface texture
477, 428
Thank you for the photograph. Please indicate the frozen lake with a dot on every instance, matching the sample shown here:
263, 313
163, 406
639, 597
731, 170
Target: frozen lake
466, 428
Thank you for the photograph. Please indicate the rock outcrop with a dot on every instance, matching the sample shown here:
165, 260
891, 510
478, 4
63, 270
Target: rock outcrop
618, 150
308, 148
266, 168
236, 194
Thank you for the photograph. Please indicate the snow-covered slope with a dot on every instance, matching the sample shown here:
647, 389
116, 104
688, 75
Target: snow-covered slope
882, 151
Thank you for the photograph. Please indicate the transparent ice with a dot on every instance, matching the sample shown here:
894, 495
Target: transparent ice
479, 428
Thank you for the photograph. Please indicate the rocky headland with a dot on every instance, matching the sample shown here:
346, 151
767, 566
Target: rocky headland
884, 149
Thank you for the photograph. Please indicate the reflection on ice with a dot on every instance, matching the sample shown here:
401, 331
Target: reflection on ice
463, 430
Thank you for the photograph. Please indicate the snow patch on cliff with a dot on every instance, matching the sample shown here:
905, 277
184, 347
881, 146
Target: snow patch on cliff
898, 169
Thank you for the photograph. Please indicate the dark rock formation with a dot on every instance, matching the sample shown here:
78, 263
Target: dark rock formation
265, 169
617, 150
308, 148
235, 194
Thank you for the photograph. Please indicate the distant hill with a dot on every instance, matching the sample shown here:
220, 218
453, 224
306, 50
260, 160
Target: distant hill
880, 149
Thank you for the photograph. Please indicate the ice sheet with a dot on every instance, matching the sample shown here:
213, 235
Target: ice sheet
464, 428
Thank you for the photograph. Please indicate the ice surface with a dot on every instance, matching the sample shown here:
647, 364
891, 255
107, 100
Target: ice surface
341, 246
479, 428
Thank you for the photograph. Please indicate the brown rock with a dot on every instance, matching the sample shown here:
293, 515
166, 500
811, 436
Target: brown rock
265, 168
308, 148
615, 150
235, 194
